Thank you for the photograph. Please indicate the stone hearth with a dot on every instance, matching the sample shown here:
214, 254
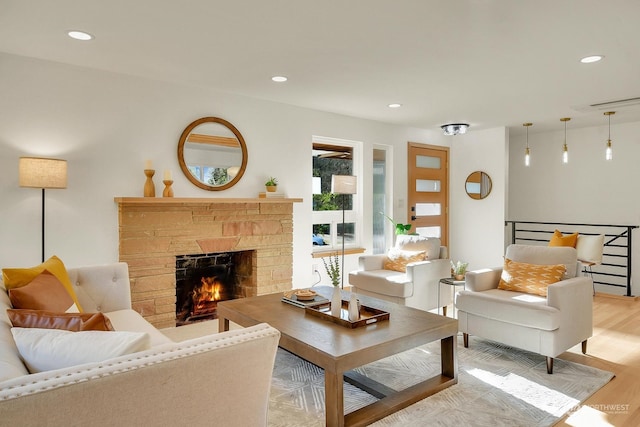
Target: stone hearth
152, 231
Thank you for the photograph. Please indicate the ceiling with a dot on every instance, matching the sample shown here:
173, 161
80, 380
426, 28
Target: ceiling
485, 62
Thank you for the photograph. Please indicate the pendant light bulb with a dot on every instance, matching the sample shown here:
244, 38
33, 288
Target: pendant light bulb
565, 149
527, 151
608, 153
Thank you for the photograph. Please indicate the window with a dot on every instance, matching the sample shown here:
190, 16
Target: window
334, 157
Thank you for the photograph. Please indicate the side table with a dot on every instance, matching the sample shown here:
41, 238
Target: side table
451, 282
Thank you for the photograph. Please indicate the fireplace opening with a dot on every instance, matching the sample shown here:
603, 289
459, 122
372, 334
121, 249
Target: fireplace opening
203, 280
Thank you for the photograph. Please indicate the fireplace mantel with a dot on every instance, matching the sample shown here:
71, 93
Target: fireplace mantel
154, 230
167, 201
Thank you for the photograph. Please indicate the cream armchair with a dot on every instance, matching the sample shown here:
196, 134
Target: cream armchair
548, 326
418, 286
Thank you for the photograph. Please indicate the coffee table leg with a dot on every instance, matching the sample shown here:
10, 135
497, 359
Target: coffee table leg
223, 324
333, 399
448, 360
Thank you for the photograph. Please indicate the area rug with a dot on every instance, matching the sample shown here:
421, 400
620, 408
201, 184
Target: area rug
497, 386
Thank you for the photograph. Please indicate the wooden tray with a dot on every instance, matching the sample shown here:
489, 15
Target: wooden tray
368, 315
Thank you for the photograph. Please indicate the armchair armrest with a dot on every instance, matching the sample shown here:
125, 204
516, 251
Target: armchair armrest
483, 280
423, 271
574, 300
371, 262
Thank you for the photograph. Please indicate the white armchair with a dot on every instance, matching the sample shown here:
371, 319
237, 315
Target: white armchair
545, 325
418, 286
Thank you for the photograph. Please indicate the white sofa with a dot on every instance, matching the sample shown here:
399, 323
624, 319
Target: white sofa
220, 379
548, 326
418, 287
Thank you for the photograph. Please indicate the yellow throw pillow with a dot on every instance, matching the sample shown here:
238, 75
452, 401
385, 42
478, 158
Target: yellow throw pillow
567, 240
397, 259
16, 277
529, 278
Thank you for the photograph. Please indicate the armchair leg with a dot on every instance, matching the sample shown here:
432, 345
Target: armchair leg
584, 347
465, 339
444, 311
549, 365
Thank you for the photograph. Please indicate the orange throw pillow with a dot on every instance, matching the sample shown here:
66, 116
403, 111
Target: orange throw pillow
567, 240
397, 259
45, 292
529, 278
74, 322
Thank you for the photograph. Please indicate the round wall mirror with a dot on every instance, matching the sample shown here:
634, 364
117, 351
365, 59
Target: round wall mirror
478, 185
212, 153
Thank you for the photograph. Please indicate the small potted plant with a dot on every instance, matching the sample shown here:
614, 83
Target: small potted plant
401, 229
459, 269
333, 271
271, 184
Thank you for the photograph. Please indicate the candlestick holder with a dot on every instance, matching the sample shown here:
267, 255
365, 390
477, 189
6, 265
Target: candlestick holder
149, 187
168, 191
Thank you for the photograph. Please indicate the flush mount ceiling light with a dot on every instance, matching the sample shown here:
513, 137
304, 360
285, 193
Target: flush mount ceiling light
454, 128
79, 35
395, 105
592, 58
279, 79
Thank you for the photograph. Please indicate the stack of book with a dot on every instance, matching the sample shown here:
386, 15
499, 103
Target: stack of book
269, 195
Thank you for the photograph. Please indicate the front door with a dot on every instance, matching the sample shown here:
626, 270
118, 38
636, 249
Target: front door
428, 190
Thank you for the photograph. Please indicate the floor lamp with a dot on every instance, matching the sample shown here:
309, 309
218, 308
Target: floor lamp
343, 184
36, 172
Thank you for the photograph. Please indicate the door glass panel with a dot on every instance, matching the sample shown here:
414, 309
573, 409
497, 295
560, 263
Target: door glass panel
428, 209
429, 231
428, 162
379, 178
427, 186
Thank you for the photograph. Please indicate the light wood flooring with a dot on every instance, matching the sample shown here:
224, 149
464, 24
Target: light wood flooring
615, 347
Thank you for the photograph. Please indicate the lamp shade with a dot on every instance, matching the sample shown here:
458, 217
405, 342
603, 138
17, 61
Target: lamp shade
39, 172
343, 184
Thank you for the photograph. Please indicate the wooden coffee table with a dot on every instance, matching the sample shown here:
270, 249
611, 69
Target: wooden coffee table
338, 349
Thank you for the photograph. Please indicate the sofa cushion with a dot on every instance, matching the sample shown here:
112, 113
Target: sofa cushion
48, 349
414, 242
44, 292
16, 277
558, 239
385, 282
53, 320
130, 320
511, 307
10, 364
397, 259
529, 278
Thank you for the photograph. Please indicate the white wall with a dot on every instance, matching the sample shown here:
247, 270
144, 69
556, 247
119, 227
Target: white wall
586, 190
477, 226
106, 125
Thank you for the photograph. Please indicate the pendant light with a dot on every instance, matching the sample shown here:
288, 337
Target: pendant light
565, 150
608, 154
527, 152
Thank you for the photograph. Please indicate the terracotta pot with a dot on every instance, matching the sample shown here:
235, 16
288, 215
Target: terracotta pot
459, 276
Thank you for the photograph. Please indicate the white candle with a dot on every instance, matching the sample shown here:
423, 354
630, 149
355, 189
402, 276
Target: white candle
167, 175
148, 165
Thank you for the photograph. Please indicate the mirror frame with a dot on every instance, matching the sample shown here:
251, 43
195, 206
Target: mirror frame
183, 165
478, 196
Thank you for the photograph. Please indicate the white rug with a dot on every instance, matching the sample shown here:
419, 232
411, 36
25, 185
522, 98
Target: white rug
497, 386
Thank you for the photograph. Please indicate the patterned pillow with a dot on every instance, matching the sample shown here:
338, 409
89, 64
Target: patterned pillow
529, 278
398, 259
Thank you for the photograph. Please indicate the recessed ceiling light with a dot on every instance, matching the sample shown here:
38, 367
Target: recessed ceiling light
590, 59
395, 105
279, 79
80, 35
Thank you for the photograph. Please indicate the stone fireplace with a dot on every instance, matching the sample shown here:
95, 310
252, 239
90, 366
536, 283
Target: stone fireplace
154, 231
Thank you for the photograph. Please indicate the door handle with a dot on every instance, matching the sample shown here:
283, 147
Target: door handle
413, 217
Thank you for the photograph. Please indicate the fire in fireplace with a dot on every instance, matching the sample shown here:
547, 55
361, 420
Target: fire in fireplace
205, 279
